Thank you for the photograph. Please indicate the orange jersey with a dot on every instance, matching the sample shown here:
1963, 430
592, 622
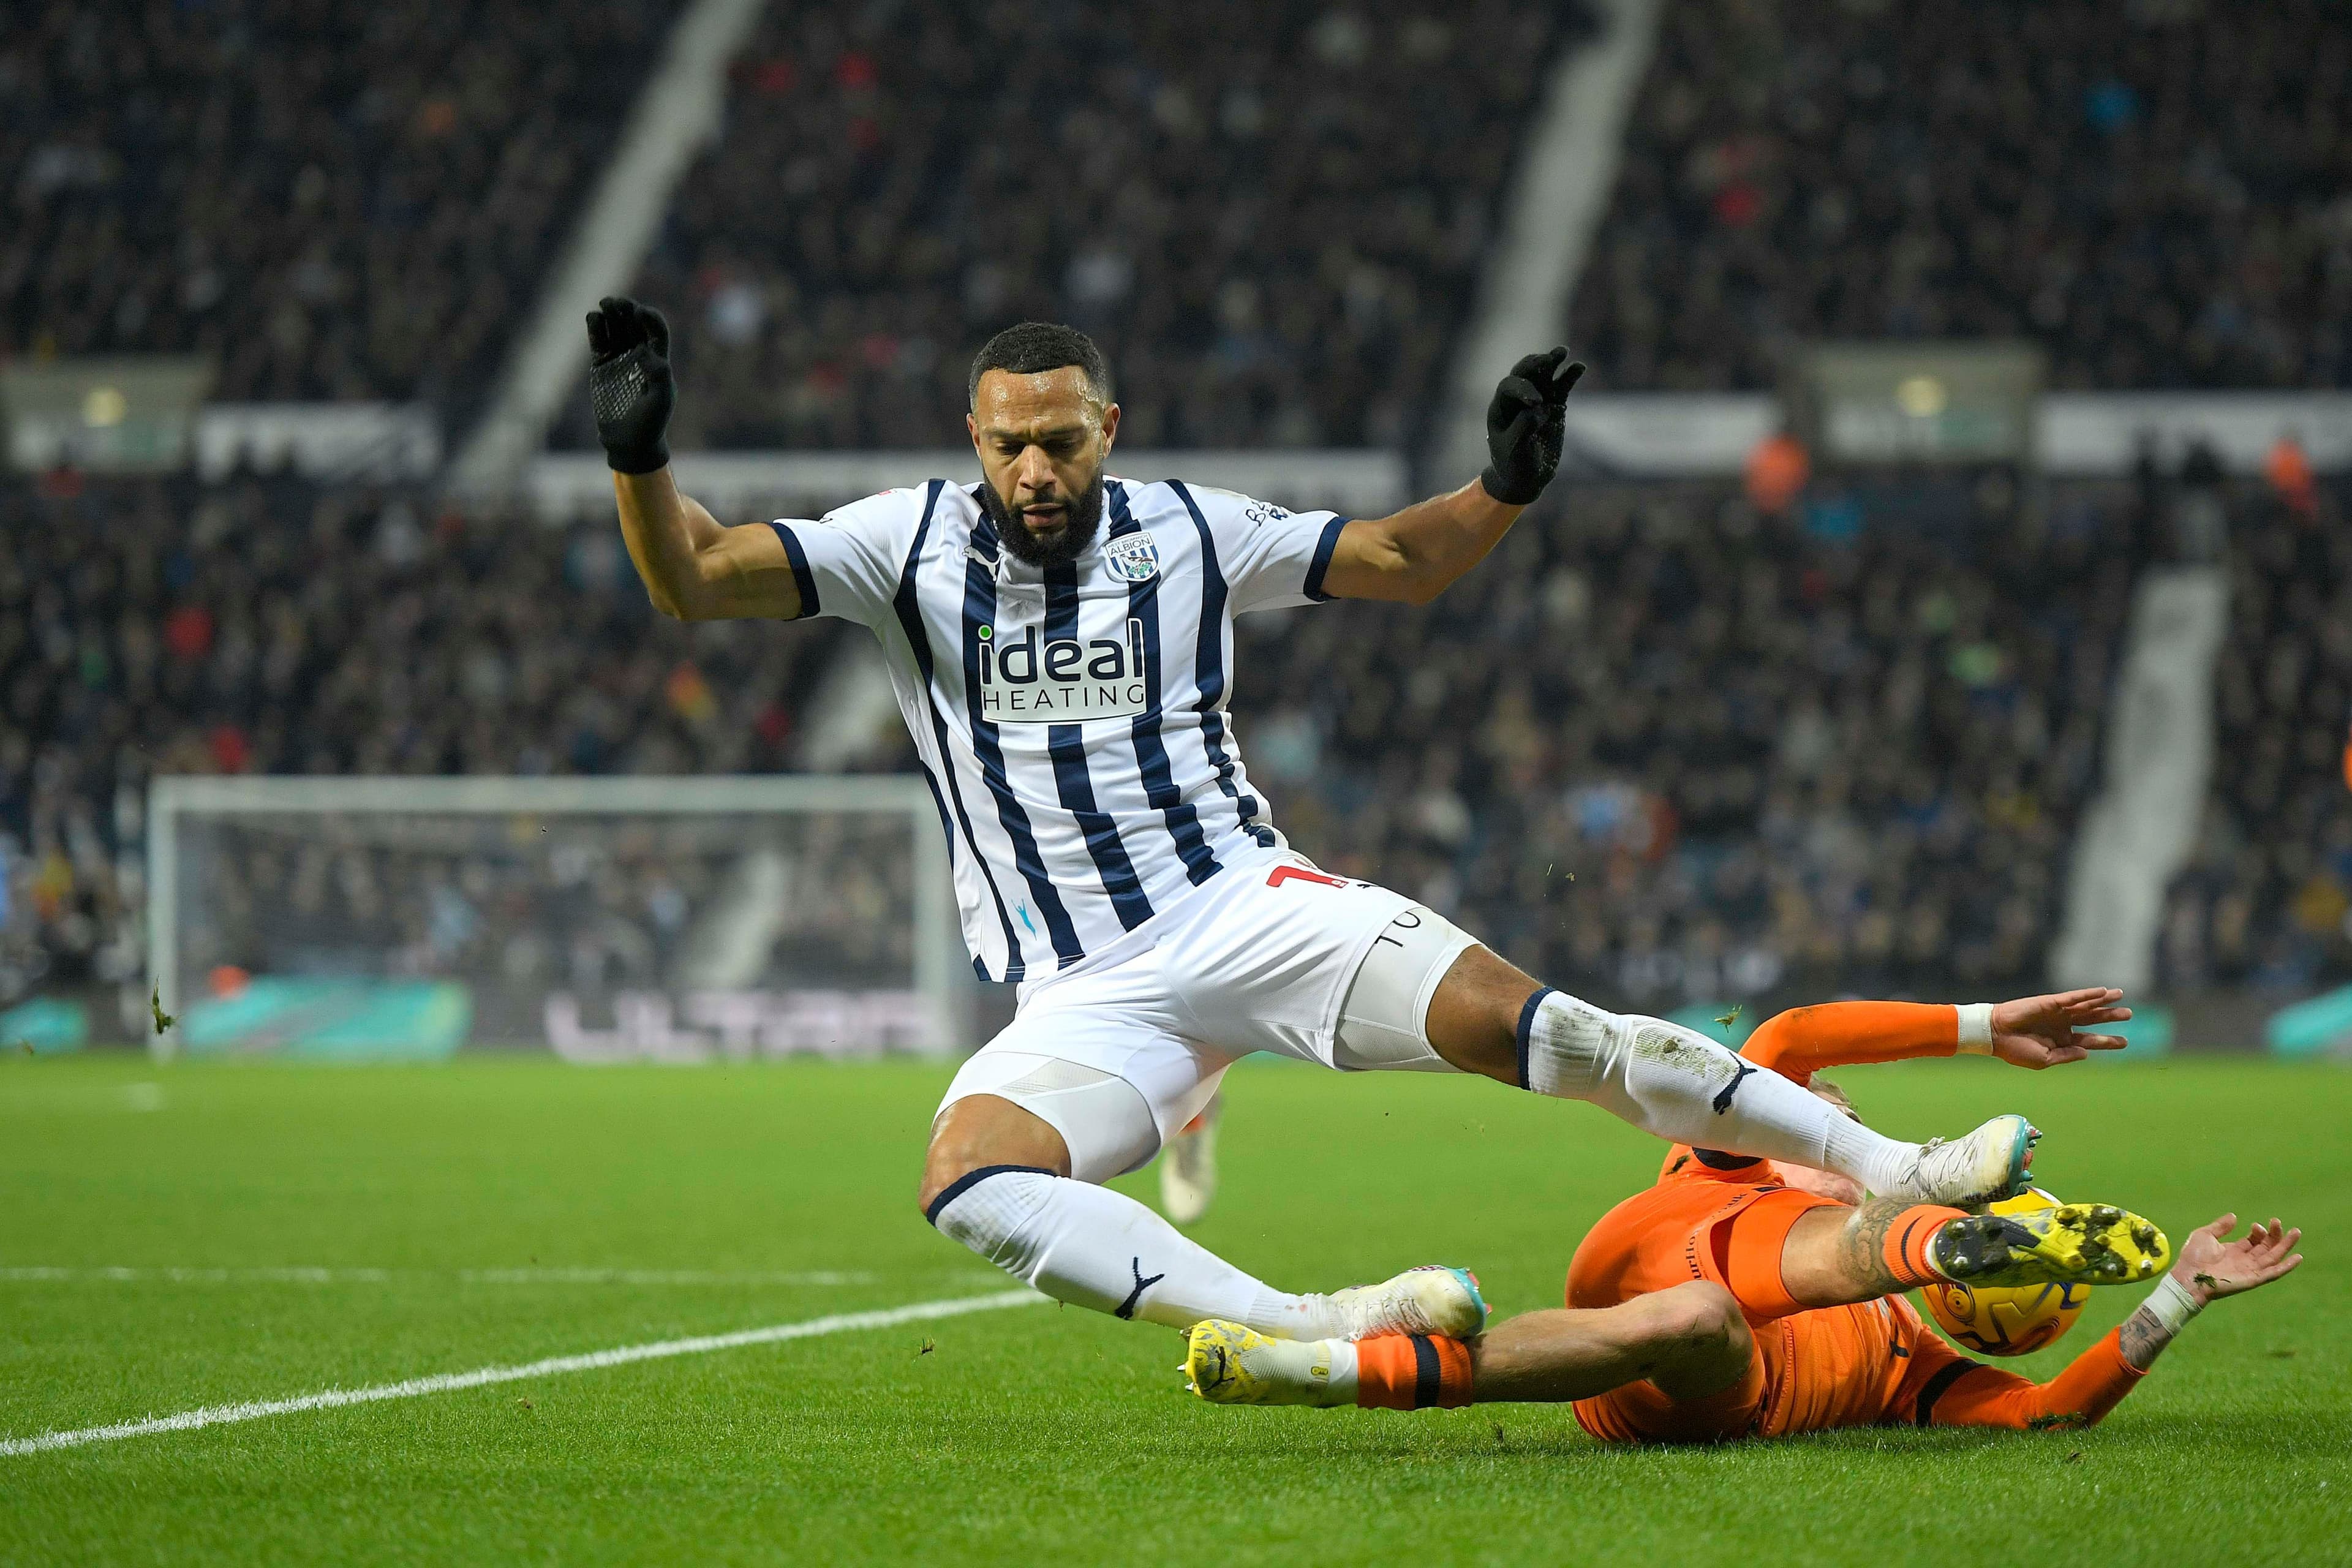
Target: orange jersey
1725, 1218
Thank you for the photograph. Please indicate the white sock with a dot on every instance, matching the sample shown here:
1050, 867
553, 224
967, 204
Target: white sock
1879, 1163
1344, 1372
1093, 1247
1677, 1083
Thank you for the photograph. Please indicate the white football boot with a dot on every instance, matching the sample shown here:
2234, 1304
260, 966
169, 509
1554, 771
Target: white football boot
1188, 1166
1429, 1299
1984, 1167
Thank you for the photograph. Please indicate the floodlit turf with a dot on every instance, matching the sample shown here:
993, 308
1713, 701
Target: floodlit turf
488, 1195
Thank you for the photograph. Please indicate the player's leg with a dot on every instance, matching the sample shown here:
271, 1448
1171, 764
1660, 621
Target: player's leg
1290, 960
1689, 1343
1833, 1256
998, 1178
1485, 1017
1026, 1134
1188, 1166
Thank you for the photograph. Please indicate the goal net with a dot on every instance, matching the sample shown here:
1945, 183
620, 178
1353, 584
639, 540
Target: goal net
609, 918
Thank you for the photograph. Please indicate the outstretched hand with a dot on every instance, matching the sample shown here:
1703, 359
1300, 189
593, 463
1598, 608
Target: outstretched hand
2040, 1032
1527, 423
2210, 1266
629, 383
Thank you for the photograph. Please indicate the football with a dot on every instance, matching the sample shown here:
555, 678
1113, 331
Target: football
2011, 1321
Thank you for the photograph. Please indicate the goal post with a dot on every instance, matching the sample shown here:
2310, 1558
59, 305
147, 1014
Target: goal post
611, 919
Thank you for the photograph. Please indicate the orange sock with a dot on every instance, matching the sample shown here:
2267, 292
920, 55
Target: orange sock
1906, 1242
1412, 1372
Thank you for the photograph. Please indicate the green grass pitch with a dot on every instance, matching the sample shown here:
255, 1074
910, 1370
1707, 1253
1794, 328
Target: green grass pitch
1034, 1435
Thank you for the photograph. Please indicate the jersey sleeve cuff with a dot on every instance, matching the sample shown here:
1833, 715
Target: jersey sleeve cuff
1316, 568
803, 578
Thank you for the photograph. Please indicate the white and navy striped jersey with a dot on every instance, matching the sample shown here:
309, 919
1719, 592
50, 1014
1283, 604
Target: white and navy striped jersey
1071, 721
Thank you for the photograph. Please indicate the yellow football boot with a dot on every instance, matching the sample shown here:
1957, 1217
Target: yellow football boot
1227, 1363
2069, 1244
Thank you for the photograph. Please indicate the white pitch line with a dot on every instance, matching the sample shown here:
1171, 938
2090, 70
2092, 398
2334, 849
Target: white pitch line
448, 1381
658, 1277
296, 1275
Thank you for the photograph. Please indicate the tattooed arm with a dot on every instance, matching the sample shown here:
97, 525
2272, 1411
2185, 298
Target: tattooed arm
1945, 1389
2210, 1266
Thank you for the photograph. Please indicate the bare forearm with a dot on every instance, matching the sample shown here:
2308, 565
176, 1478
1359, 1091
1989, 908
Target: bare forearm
1414, 555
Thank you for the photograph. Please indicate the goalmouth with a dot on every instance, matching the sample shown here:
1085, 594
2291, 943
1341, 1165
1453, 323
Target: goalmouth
609, 918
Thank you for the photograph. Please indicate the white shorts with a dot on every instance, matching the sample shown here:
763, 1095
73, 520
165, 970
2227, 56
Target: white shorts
1270, 956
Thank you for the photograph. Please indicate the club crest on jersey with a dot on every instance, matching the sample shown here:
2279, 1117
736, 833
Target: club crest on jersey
1023, 680
1133, 556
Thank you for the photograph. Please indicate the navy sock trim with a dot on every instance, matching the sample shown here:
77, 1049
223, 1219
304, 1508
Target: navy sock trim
972, 1179
1527, 1029
1426, 1378
1716, 1160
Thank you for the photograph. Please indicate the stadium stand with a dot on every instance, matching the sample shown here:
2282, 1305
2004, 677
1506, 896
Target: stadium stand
1664, 750
1273, 216
331, 199
1749, 755
2154, 191
1759, 757
342, 631
2266, 902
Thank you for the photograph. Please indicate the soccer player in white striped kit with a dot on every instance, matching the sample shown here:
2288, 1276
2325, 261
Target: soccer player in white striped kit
1061, 644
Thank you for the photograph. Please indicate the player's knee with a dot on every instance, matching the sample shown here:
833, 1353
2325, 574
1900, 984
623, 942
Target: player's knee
1703, 1323
946, 1162
1475, 1014
984, 1130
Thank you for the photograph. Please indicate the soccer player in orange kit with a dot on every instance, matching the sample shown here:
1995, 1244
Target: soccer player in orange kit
1736, 1298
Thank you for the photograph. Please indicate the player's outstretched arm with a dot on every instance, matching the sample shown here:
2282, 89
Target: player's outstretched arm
1414, 555
2029, 1032
2208, 1267
693, 568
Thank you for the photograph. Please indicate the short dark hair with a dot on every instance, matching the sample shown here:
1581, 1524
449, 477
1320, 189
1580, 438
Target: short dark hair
1031, 347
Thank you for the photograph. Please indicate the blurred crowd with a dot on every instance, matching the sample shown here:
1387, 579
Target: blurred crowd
2268, 898
2159, 192
1272, 216
1667, 750
1760, 755
275, 626
330, 198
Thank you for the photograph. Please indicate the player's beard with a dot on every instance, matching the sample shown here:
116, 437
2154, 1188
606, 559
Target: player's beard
1079, 525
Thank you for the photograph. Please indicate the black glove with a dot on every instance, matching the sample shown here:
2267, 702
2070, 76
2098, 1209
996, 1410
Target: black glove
629, 383
1524, 424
